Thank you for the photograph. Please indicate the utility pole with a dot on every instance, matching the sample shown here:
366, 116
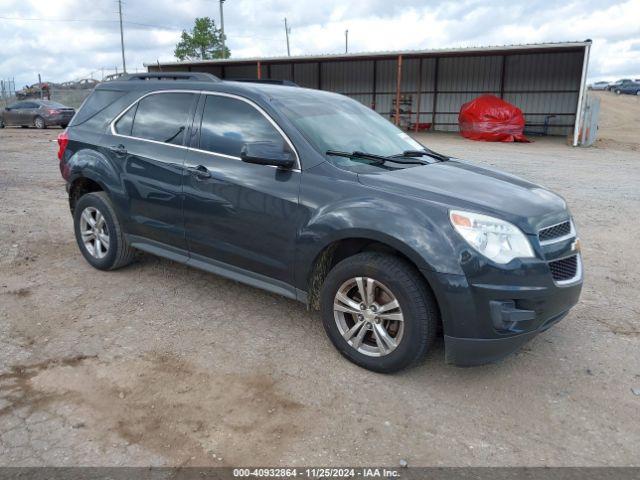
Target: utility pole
287, 31
224, 48
346, 41
40, 85
124, 64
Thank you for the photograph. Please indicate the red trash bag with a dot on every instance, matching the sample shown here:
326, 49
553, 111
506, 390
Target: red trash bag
490, 119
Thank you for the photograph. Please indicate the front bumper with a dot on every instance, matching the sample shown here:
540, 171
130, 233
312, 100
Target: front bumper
490, 314
466, 352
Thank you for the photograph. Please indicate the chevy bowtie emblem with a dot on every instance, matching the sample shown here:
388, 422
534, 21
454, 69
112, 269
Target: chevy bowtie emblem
575, 246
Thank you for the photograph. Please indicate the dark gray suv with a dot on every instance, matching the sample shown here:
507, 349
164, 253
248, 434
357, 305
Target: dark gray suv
313, 196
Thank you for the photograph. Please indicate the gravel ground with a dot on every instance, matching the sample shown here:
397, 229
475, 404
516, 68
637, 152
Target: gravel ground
160, 364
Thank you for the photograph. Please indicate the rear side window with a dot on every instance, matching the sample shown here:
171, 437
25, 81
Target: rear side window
163, 117
94, 103
125, 122
229, 123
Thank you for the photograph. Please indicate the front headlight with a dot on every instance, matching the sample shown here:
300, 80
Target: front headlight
496, 239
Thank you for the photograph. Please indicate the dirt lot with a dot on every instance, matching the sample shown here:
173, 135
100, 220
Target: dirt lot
159, 364
619, 123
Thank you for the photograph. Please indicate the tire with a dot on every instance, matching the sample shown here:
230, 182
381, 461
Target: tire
64, 125
1, 123
618, 92
118, 252
638, 93
39, 123
417, 306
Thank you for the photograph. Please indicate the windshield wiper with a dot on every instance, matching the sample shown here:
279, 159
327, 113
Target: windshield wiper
378, 159
422, 153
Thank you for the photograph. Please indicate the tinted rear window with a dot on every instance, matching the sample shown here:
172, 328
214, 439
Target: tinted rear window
96, 102
163, 117
125, 122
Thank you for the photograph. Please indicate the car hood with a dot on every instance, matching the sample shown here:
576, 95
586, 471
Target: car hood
458, 184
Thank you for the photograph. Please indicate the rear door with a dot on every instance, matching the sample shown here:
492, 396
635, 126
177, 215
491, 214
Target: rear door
238, 213
13, 116
148, 143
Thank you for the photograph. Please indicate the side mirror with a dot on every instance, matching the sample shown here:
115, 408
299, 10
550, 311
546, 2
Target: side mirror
267, 153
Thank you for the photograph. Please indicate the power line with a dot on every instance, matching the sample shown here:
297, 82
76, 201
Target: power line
89, 20
125, 22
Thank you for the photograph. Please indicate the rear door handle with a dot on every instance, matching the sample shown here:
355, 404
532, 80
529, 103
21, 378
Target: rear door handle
200, 171
118, 149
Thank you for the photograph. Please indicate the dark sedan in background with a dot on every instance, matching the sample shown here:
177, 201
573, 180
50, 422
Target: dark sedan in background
36, 113
629, 88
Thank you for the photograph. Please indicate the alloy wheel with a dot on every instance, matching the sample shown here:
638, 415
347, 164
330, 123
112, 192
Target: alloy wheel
368, 316
39, 122
94, 232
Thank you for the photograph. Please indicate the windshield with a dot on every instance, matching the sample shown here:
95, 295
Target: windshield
332, 122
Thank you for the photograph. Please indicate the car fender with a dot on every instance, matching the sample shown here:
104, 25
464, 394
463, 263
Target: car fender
417, 230
96, 166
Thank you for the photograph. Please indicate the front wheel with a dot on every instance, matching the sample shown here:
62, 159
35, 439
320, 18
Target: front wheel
378, 312
618, 92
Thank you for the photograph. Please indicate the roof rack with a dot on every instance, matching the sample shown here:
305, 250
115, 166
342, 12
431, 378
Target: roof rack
271, 81
195, 76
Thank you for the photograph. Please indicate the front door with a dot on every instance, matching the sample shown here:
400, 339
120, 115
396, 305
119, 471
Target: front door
149, 148
240, 214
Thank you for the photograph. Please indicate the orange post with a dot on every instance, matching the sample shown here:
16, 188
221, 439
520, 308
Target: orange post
399, 79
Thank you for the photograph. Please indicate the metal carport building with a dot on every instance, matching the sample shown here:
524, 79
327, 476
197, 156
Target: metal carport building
411, 88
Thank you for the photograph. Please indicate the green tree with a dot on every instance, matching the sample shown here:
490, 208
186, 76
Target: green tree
203, 43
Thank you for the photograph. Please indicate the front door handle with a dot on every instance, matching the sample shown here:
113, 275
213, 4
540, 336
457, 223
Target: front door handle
118, 149
200, 171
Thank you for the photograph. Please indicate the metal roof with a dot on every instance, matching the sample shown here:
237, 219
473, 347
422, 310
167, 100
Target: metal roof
441, 52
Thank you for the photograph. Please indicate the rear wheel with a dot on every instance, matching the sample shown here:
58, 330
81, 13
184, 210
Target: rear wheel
99, 233
618, 92
39, 123
1, 123
378, 312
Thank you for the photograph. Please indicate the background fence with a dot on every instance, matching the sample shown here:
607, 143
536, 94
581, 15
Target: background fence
70, 93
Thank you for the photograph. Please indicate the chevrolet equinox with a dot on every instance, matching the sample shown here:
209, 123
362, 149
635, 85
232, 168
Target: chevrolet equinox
311, 195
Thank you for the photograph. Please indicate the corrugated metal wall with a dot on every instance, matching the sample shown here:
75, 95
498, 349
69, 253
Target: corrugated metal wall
540, 84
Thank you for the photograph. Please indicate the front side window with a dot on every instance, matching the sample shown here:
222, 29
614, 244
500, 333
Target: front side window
229, 123
161, 117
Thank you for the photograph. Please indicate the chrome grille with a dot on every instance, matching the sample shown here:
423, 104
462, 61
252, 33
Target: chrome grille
555, 231
564, 269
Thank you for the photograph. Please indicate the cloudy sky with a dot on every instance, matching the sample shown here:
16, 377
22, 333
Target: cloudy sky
72, 39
